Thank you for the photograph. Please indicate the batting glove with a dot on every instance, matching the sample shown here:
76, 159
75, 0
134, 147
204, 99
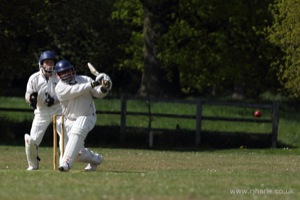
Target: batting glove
105, 81
95, 84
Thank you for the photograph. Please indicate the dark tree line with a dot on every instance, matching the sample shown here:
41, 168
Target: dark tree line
158, 48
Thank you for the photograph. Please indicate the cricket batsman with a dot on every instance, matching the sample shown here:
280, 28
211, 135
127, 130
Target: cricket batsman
76, 95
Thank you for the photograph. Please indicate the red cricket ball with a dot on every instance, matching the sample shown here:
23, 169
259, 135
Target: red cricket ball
257, 113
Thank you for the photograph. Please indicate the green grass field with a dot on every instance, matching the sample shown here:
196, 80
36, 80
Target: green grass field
145, 174
149, 174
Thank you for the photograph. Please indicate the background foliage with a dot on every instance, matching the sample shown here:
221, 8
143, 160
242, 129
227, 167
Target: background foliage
284, 33
200, 47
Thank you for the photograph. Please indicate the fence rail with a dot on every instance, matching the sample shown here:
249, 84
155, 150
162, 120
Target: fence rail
198, 117
274, 107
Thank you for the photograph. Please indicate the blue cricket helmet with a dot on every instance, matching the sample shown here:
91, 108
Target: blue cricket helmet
63, 65
69, 73
47, 55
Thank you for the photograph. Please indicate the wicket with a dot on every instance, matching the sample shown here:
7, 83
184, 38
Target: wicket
62, 140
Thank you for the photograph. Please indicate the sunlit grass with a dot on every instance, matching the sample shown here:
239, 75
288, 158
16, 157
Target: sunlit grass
150, 174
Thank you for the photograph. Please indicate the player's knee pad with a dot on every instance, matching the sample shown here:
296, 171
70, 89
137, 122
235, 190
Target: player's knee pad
28, 140
83, 126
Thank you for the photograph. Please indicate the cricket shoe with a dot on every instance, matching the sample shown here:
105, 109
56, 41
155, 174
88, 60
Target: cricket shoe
93, 166
30, 168
64, 168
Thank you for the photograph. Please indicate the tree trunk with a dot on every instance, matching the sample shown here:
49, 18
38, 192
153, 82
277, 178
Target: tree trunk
238, 92
154, 79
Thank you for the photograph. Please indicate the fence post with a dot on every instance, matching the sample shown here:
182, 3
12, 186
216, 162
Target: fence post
150, 139
123, 118
275, 124
150, 122
198, 121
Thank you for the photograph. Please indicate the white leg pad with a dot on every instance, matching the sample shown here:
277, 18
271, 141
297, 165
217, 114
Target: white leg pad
31, 150
87, 156
76, 136
73, 146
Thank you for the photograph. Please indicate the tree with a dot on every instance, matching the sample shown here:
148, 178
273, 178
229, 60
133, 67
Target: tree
81, 32
76, 30
18, 35
162, 47
218, 46
156, 22
284, 33
200, 47
148, 21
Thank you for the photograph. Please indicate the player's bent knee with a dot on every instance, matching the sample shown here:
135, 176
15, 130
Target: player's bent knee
28, 140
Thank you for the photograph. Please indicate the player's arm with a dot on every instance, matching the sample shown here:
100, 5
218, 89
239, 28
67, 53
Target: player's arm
66, 92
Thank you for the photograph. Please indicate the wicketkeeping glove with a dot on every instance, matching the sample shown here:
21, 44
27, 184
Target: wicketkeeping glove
49, 100
33, 99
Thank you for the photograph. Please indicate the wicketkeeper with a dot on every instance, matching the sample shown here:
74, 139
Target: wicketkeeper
40, 94
76, 95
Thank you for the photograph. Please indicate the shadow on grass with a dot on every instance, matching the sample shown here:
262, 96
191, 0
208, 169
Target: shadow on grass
12, 133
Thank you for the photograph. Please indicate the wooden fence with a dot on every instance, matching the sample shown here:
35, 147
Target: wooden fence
274, 120
198, 117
